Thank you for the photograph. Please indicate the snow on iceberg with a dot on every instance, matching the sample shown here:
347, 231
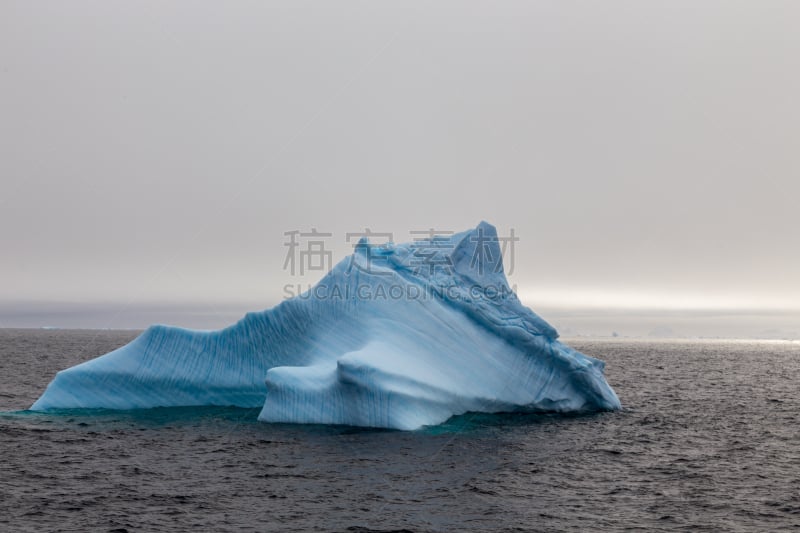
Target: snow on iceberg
395, 336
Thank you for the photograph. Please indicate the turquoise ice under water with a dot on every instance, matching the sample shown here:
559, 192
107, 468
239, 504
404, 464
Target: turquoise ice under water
396, 336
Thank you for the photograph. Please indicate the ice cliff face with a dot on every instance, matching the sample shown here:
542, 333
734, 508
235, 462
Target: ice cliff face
397, 336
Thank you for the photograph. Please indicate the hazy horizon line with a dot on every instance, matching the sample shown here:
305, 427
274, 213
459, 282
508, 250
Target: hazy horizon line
255, 305
743, 323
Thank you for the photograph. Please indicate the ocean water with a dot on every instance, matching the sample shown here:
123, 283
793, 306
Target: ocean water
709, 440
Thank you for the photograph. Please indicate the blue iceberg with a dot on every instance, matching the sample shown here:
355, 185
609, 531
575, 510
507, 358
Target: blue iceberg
395, 336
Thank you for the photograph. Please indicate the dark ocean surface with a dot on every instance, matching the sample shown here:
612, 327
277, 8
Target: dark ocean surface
709, 440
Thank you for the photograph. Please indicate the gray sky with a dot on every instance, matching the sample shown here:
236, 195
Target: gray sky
153, 154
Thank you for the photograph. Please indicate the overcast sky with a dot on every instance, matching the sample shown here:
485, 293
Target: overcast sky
646, 154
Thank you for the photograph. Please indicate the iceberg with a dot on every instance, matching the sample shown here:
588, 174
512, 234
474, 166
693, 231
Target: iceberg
394, 336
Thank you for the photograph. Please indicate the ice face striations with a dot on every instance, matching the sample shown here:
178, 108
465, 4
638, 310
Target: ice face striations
395, 336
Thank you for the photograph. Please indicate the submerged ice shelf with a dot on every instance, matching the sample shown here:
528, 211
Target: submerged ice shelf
390, 337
